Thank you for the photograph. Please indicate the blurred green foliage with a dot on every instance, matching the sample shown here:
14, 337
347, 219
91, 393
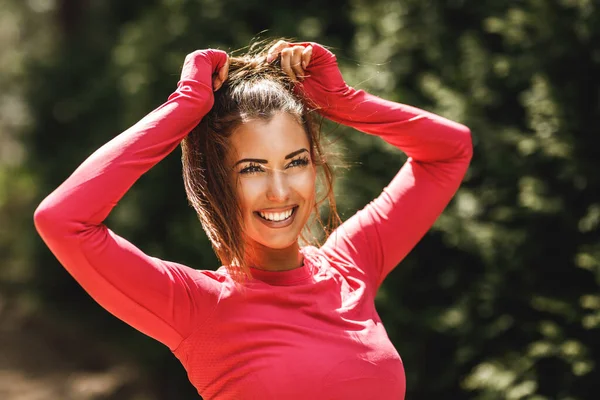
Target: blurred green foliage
499, 301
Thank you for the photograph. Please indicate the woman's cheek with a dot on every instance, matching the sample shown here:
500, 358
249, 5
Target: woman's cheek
249, 190
305, 182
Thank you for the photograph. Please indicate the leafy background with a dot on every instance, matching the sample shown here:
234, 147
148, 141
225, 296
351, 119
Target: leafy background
500, 300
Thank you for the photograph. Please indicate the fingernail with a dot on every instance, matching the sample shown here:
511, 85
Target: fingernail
269, 58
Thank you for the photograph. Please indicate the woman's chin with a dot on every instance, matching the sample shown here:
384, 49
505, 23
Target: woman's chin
279, 243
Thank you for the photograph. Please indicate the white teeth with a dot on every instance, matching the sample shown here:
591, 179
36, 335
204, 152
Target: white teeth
276, 216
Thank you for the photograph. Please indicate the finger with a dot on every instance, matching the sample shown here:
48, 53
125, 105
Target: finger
286, 58
203, 64
224, 71
218, 58
217, 82
306, 56
276, 49
221, 76
296, 62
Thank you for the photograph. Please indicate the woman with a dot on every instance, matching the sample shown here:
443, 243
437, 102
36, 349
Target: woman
277, 321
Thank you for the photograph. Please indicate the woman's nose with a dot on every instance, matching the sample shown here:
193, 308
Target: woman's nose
278, 190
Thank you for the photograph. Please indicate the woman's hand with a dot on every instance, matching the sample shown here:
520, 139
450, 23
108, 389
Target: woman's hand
294, 58
209, 67
316, 68
220, 76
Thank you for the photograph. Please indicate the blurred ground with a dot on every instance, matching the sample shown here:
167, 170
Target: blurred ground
40, 362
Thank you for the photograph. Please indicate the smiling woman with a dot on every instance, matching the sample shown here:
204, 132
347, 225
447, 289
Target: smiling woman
278, 196
253, 137
277, 320
283, 186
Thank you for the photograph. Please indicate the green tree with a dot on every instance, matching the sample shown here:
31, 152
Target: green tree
499, 301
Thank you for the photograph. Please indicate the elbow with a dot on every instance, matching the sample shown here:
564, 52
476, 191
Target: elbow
458, 138
465, 142
46, 218
42, 217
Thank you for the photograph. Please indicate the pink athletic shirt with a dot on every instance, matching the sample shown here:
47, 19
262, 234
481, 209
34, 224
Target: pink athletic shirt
308, 333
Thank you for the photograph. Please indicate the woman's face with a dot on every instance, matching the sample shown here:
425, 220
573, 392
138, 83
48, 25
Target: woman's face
275, 179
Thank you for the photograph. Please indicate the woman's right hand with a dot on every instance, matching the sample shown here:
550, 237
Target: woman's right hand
209, 67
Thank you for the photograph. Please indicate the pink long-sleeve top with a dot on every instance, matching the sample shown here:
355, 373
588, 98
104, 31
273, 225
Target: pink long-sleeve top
308, 333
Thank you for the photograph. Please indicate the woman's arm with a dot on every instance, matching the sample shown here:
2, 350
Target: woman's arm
163, 299
378, 237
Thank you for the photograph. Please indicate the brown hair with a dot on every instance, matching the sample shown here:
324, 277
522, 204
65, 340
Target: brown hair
253, 90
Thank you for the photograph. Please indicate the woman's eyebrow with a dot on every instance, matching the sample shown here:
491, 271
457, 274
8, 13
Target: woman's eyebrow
262, 161
254, 160
295, 153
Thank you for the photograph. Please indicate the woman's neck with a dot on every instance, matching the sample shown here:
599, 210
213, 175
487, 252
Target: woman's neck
269, 259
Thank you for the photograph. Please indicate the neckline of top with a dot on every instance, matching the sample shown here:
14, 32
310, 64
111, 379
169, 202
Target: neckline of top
293, 276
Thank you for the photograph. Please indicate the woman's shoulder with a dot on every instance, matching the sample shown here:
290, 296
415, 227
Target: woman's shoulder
322, 259
315, 257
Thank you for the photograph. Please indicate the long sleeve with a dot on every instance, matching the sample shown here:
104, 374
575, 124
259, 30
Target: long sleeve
163, 299
379, 236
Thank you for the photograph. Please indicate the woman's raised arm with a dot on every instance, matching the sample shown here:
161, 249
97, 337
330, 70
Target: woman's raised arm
163, 299
378, 237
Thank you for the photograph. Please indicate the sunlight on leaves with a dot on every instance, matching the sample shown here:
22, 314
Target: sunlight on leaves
545, 117
591, 220
450, 104
553, 306
534, 194
549, 329
540, 349
490, 375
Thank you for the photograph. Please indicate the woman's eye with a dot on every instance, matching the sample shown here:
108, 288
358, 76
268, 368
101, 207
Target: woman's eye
256, 168
251, 169
299, 162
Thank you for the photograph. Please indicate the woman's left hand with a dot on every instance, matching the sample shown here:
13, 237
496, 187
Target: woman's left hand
316, 74
294, 58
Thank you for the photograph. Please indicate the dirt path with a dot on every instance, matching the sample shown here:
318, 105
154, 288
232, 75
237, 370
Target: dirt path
39, 363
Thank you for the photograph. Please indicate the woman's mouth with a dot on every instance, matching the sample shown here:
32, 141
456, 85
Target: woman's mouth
277, 219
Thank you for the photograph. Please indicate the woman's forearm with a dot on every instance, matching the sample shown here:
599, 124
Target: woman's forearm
422, 135
90, 193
